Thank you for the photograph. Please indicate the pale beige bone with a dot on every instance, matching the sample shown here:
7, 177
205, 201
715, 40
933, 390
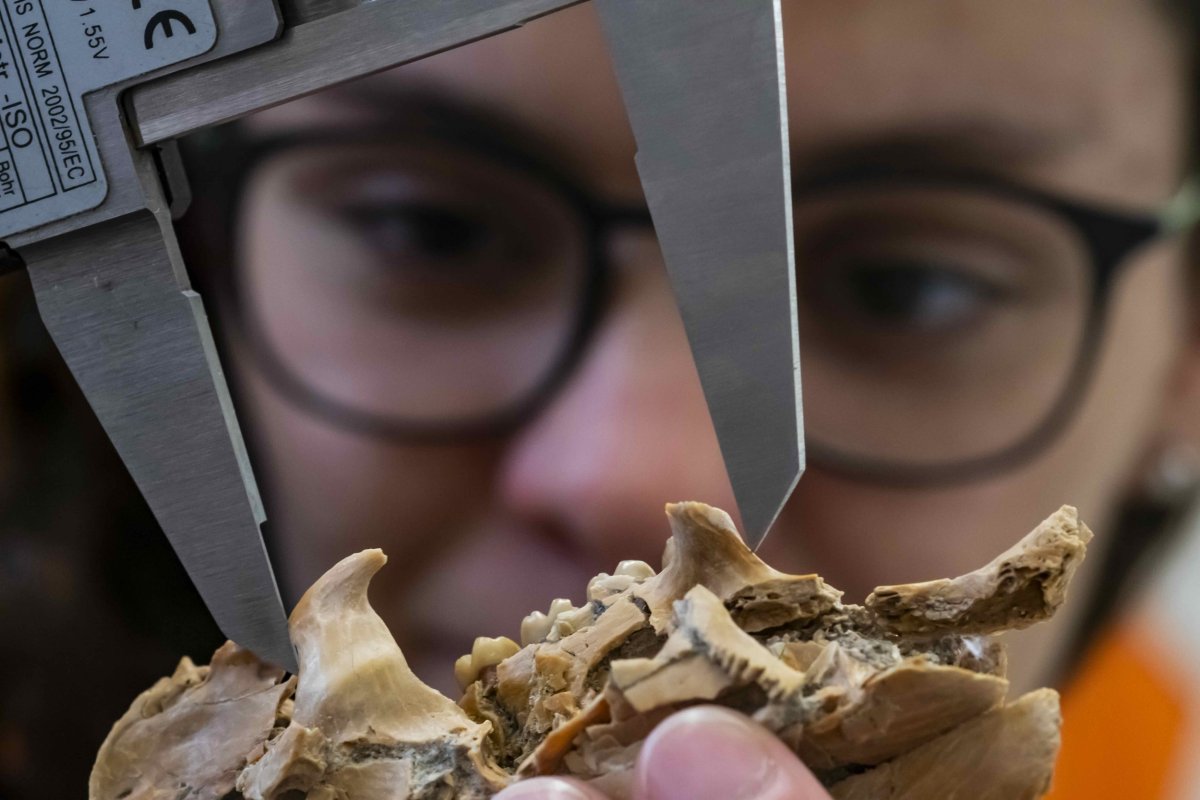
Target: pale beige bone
706, 654
1006, 754
547, 756
1024, 585
534, 685
892, 712
706, 550
855, 714
362, 718
904, 684
192, 732
867, 704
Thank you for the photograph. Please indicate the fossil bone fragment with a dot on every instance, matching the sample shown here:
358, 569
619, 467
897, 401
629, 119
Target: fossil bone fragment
201, 726
1005, 754
364, 725
1023, 585
902, 697
706, 550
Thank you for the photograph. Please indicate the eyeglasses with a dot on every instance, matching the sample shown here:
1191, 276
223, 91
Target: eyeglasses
950, 322
436, 286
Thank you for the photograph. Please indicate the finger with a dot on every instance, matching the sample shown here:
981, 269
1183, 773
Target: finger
710, 753
549, 789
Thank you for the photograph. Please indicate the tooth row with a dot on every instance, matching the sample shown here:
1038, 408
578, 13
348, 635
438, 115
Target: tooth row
563, 618
486, 652
627, 574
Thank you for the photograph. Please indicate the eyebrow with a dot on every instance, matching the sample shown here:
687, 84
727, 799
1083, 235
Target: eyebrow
433, 110
989, 145
984, 145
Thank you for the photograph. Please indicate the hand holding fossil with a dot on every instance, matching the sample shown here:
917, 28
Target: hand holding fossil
704, 753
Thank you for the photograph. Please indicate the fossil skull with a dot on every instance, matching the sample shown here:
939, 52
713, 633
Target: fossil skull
899, 697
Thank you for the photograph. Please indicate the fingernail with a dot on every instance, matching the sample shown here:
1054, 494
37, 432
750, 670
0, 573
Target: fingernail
543, 789
707, 754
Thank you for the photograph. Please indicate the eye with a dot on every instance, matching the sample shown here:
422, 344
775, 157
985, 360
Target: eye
911, 274
414, 235
900, 293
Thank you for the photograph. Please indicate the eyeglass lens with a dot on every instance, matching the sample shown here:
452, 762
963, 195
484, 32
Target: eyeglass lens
416, 282
936, 324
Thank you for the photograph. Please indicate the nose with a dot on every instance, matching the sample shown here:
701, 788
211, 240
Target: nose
629, 432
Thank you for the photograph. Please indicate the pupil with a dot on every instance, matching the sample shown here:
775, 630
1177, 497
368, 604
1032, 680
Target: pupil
444, 233
908, 292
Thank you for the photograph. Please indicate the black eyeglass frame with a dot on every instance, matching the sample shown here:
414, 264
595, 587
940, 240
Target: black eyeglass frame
1110, 236
239, 155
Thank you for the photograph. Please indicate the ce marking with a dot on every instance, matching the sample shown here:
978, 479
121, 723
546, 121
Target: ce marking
161, 21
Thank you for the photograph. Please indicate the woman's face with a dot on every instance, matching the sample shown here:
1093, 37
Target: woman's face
942, 325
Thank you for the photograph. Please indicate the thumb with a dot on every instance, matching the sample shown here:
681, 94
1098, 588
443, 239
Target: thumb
709, 753
549, 789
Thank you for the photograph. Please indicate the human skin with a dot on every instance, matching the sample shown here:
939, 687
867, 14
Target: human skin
479, 534
703, 753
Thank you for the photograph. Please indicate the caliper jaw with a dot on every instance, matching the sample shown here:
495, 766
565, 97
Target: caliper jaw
704, 85
115, 297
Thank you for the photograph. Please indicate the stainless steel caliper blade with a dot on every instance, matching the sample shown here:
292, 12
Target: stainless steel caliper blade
116, 300
703, 84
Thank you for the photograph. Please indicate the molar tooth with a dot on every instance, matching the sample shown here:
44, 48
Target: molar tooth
535, 628
597, 587
604, 586
638, 570
488, 651
464, 673
568, 622
485, 652
558, 606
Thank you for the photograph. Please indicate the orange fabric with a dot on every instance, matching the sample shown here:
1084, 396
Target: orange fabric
1123, 724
